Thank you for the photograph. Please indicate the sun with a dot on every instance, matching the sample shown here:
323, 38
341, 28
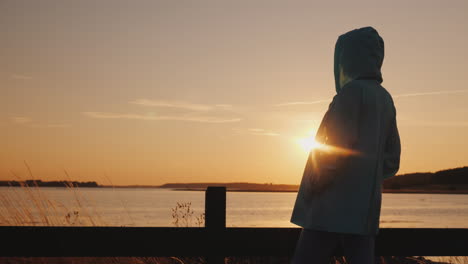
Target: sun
309, 143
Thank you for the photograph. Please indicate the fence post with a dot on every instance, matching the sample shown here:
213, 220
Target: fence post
215, 220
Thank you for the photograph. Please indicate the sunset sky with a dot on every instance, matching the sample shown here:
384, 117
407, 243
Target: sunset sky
149, 92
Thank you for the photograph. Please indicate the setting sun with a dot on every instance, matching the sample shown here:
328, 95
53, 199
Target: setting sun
309, 143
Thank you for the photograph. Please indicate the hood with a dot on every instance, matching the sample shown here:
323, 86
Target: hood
359, 54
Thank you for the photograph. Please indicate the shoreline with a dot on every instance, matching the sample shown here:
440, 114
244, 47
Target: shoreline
289, 191
435, 191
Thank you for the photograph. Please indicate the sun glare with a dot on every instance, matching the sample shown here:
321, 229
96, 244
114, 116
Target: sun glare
309, 143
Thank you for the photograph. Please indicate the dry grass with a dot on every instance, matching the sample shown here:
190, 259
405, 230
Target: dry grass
30, 206
182, 215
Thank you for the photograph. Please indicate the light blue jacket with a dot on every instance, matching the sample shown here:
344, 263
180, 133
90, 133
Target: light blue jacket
361, 118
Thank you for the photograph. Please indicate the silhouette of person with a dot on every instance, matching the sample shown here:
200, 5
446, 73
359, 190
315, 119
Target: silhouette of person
360, 125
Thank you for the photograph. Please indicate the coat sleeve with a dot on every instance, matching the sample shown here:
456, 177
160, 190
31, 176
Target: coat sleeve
392, 151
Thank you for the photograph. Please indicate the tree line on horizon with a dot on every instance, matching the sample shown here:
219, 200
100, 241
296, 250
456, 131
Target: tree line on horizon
454, 178
450, 179
40, 183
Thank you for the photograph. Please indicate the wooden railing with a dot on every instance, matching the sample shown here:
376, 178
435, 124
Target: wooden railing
214, 240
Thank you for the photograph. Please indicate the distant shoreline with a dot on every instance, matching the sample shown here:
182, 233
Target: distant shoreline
450, 181
289, 191
435, 191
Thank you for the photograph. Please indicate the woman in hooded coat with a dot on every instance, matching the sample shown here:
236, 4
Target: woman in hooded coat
361, 120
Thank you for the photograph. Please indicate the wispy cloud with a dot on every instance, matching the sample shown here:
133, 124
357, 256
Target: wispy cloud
307, 120
395, 96
304, 102
223, 106
262, 132
191, 118
181, 105
454, 124
26, 121
21, 119
57, 125
256, 131
430, 93
20, 76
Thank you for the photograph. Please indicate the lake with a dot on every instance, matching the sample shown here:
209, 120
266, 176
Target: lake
153, 207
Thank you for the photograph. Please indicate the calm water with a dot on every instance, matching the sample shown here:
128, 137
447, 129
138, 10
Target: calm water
153, 207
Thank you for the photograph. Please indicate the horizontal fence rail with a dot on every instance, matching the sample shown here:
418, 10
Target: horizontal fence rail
160, 241
214, 240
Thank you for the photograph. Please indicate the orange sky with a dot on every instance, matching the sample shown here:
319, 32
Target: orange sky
149, 92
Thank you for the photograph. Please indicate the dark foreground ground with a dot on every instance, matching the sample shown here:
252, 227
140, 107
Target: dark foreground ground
201, 260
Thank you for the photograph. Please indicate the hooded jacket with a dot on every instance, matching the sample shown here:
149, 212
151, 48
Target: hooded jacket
362, 120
